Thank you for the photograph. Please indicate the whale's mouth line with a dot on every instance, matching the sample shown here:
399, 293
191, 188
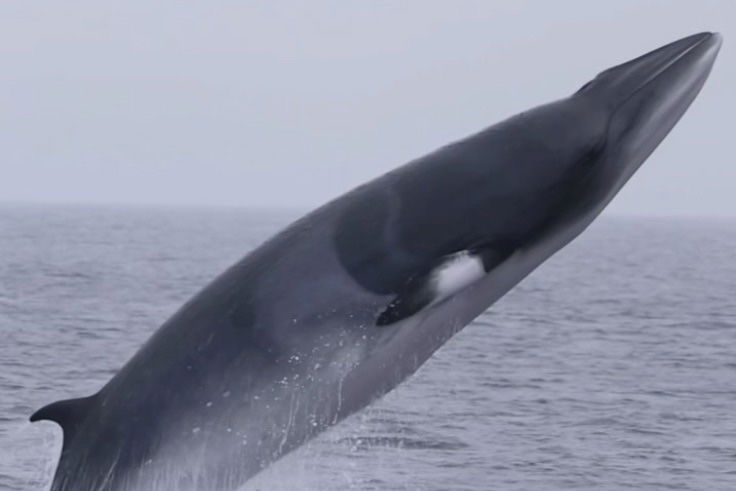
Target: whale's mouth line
660, 71
673, 62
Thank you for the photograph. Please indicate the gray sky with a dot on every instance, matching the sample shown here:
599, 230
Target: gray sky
292, 103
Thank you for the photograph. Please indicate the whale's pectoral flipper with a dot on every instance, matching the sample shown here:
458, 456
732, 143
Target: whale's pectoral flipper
447, 276
68, 414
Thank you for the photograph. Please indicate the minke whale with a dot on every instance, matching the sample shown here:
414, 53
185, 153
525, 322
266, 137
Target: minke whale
348, 301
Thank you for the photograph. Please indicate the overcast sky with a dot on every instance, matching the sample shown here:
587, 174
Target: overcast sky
292, 103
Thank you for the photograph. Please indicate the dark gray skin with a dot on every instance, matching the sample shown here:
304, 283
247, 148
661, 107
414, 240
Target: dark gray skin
300, 333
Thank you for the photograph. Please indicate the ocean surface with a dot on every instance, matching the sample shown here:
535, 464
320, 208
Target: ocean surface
611, 367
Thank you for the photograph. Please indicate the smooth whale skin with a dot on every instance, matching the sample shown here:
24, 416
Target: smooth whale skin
347, 302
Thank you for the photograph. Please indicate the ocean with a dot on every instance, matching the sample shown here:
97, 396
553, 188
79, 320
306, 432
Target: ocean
612, 367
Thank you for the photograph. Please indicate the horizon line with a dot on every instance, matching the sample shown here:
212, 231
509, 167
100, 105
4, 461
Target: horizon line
290, 208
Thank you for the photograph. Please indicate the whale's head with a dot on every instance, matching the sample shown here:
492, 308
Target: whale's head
633, 106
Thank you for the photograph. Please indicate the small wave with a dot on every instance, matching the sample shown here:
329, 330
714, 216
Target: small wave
367, 442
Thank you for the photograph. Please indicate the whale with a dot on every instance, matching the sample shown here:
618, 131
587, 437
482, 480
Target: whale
348, 301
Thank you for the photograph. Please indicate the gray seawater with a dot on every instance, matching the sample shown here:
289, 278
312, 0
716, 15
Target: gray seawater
613, 366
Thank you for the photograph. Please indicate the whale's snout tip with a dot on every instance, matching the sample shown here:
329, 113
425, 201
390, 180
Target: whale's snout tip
708, 37
716, 40
706, 50
709, 43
